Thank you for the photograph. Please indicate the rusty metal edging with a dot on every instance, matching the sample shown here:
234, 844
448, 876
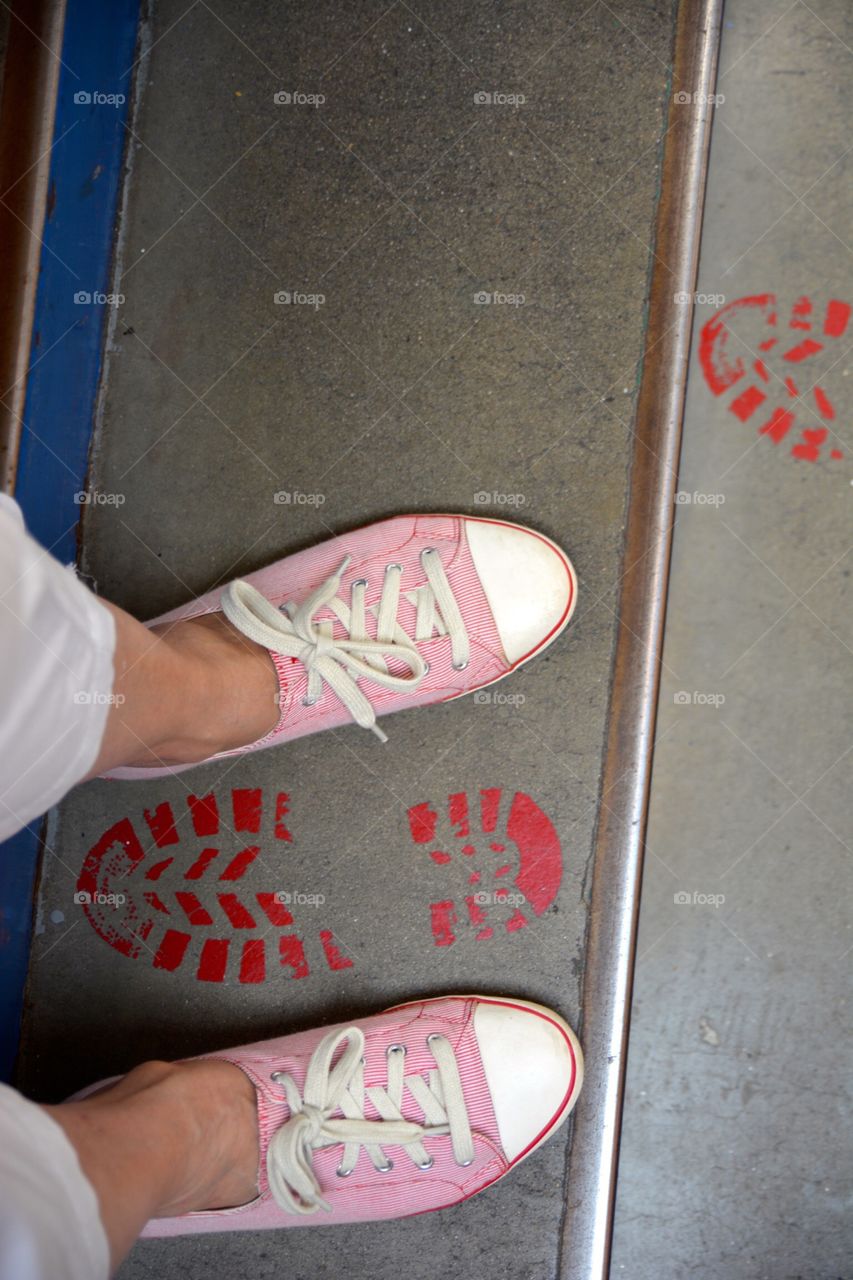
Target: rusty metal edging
618, 862
30, 83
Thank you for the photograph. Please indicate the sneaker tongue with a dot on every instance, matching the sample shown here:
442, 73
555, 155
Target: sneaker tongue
293, 676
290, 672
273, 1112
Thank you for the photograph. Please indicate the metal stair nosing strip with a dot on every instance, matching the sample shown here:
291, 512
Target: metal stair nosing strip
623, 800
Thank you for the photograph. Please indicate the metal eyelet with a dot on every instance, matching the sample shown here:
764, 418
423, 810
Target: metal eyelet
276, 1076
428, 1163
428, 551
463, 1164
310, 702
343, 1173
460, 666
395, 1048
434, 1035
426, 668
389, 567
386, 1168
360, 582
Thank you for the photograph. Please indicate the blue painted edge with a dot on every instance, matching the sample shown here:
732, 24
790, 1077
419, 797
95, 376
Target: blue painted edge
95, 81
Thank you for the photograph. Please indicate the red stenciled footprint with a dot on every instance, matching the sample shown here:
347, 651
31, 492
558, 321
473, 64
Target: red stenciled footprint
175, 895
509, 854
724, 364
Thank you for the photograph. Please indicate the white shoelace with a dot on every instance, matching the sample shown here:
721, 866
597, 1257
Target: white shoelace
292, 631
292, 1180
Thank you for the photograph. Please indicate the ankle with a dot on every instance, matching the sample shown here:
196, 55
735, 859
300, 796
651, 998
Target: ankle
229, 691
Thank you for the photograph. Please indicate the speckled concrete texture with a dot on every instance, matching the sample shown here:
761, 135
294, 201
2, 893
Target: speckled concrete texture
735, 1150
467, 283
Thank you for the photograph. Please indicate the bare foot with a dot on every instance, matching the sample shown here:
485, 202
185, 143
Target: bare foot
193, 1127
233, 683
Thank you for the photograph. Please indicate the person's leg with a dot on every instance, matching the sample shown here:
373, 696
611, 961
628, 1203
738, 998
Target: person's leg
84, 687
166, 1139
446, 1094
183, 691
454, 602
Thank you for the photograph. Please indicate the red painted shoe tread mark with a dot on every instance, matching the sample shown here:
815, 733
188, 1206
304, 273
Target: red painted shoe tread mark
202, 862
824, 404
196, 912
155, 872
238, 866
172, 950
164, 924
334, 957
213, 964
282, 809
746, 403
292, 955
778, 425
809, 450
837, 316
253, 961
721, 370
204, 812
800, 312
161, 823
422, 822
247, 805
723, 366
529, 833
443, 918
274, 909
803, 351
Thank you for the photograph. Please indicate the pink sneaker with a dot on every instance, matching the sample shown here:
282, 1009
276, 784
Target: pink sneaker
408, 611
416, 1109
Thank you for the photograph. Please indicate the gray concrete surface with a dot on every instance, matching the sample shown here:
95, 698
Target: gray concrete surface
735, 1160
399, 198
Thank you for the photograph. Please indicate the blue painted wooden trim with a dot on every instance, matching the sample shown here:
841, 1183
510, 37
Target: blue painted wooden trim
98, 50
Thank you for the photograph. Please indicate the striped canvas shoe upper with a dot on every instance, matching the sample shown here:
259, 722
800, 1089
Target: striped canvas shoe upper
407, 611
412, 1110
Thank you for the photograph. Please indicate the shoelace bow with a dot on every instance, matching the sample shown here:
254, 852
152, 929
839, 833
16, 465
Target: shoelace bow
327, 1089
293, 631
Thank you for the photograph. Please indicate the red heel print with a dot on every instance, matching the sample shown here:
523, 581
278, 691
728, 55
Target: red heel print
166, 889
502, 850
775, 372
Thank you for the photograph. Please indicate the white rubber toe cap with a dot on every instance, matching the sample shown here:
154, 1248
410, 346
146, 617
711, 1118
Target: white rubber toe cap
528, 581
534, 1070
